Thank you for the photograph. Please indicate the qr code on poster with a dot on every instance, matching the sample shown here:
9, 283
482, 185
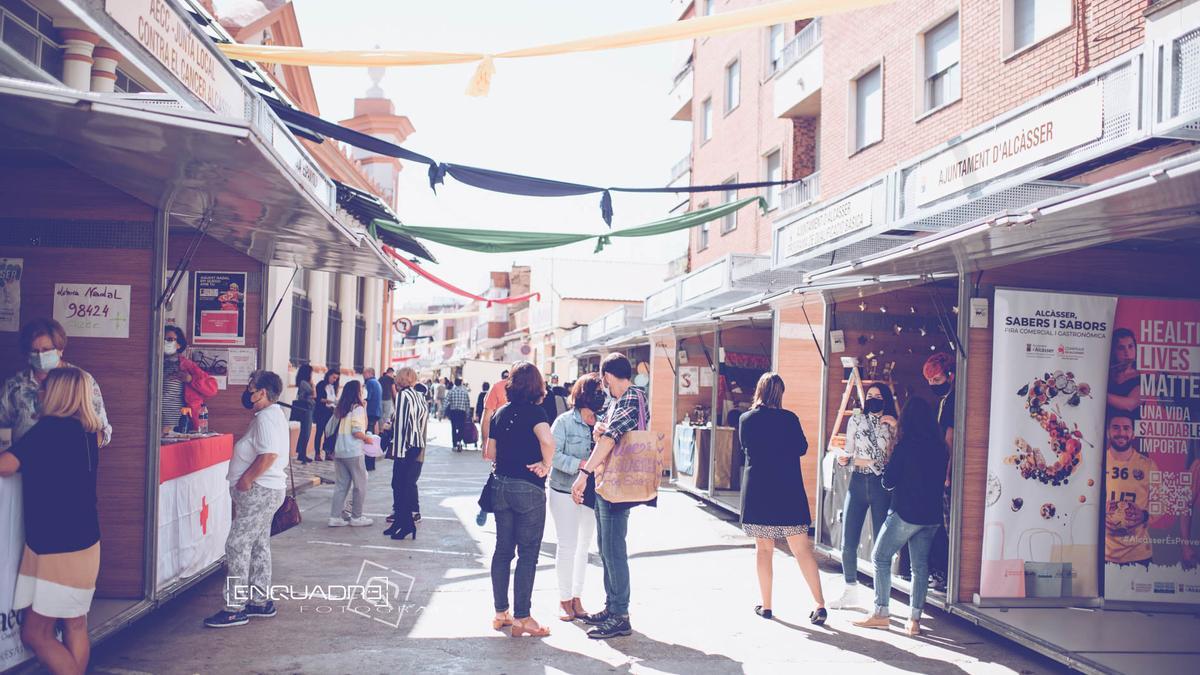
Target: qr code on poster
1170, 493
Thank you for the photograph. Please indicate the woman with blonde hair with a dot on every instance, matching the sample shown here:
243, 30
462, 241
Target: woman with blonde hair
58, 459
774, 504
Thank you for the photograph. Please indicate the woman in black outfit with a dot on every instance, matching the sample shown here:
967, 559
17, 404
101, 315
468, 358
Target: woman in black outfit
915, 476
326, 401
523, 448
774, 503
302, 410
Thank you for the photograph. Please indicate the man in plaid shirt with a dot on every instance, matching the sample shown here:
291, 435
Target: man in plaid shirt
458, 406
629, 412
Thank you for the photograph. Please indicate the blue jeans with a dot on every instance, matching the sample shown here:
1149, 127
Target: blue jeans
866, 492
520, 508
612, 524
896, 532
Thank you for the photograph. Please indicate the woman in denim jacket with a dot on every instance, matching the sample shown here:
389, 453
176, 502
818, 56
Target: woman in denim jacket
574, 523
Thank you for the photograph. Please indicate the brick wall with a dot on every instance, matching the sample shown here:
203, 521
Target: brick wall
804, 146
991, 84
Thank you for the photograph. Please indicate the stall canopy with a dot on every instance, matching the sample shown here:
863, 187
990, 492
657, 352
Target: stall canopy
207, 171
1149, 208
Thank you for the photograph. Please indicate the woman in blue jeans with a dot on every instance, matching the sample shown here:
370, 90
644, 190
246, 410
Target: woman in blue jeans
523, 448
870, 435
915, 476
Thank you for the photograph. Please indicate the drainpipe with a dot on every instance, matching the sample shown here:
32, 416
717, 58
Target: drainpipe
77, 61
104, 69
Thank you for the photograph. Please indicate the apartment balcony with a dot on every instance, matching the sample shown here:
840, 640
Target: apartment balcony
680, 99
801, 193
681, 173
799, 74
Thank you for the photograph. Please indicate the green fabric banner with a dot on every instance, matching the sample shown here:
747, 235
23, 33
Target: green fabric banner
503, 241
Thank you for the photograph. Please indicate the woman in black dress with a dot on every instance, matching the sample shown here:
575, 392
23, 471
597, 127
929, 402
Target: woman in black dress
774, 504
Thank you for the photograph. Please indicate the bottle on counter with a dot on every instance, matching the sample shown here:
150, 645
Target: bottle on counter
184, 426
203, 426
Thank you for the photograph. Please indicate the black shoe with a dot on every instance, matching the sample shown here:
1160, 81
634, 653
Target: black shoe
224, 619
401, 533
260, 611
937, 582
615, 626
764, 613
391, 529
818, 616
597, 618
416, 516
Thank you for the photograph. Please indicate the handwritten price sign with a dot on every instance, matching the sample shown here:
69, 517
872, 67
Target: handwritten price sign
92, 310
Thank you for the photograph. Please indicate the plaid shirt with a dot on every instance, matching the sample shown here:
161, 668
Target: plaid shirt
458, 398
624, 416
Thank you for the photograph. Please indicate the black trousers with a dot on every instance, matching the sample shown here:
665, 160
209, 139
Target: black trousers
458, 419
305, 417
406, 471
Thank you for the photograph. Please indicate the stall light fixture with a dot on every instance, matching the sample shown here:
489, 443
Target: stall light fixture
883, 309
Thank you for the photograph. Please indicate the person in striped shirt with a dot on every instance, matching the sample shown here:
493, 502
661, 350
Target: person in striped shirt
410, 426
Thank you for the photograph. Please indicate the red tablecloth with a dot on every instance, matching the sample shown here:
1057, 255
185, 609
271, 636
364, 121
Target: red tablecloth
184, 457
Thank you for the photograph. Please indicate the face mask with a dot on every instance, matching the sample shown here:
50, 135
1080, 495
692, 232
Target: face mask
248, 400
170, 348
940, 389
44, 361
874, 406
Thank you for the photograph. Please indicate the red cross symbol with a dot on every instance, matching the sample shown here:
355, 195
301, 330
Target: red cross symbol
203, 515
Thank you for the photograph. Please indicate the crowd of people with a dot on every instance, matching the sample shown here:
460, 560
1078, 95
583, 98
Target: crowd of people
545, 444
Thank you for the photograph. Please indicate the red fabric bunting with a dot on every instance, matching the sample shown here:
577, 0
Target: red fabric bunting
455, 289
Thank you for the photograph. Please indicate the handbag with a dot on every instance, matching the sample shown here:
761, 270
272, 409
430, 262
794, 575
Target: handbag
287, 515
631, 473
1084, 559
1046, 579
1001, 577
485, 498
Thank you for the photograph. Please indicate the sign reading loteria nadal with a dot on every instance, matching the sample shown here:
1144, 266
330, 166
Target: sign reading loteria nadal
1060, 125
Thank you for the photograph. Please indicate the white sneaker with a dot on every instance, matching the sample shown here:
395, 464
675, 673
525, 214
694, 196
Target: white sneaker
361, 521
338, 522
850, 598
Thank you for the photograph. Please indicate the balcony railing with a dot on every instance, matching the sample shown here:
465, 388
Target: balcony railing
681, 167
805, 191
805, 41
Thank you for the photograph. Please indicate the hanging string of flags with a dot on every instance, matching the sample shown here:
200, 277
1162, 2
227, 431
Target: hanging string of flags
509, 241
489, 179
702, 26
455, 289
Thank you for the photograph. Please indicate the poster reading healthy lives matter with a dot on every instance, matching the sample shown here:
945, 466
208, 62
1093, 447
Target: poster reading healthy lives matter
1152, 449
219, 308
1046, 445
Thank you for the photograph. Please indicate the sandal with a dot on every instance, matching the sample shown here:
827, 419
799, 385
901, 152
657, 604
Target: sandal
818, 616
502, 621
580, 612
764, 613
527, 627
913, 628
567, 610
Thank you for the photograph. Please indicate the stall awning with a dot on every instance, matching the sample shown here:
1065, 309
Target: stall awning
206, 169
1156, 206
366, 207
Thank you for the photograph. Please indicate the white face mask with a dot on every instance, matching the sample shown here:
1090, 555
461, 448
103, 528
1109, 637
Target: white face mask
169, 348
45, 361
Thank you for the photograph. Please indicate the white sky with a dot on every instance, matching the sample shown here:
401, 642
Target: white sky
599, 118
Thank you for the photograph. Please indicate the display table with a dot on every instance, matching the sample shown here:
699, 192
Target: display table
194, 506
691, 453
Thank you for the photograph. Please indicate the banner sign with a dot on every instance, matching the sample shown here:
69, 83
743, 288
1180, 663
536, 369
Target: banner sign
195, 509
1152, 451
219, 308
10, 293
1045, 444
689, 380
92, 310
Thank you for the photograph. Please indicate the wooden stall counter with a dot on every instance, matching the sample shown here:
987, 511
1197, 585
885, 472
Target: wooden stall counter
194, 505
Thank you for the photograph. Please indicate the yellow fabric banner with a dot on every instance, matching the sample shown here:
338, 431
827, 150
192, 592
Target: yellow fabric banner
752, 17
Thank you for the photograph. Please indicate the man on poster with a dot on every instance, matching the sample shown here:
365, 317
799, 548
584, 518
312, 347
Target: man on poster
1127, 482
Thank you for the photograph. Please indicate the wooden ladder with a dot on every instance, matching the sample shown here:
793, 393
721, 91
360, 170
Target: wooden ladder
854, 385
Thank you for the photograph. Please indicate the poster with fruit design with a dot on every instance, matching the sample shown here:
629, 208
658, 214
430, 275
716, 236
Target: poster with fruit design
1046, 441
1152, 453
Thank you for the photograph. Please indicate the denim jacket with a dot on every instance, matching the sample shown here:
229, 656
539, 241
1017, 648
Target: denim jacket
572, 447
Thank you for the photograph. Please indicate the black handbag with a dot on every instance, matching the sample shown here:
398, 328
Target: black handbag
287, 515
485, 497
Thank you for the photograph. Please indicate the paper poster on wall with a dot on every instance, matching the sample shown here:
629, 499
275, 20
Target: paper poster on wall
92, 310
215, 362
219, 308
1152, 453
706, 377
175, 309
242, 362
689, 380
1045, 445
11, 270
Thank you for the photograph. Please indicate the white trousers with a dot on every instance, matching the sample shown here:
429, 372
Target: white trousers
575, 526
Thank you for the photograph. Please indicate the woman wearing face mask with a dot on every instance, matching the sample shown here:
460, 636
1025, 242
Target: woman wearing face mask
184, 384
327, 398
870, 435
43, 341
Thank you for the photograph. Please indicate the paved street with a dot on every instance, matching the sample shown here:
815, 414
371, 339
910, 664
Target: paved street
693, 591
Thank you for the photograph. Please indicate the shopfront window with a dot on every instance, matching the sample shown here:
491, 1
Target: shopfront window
333, 345
32, 35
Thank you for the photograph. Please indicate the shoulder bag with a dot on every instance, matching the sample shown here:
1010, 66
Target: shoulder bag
287, 515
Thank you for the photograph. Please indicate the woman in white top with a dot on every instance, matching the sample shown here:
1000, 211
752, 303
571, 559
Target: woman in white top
870, 435
348, 454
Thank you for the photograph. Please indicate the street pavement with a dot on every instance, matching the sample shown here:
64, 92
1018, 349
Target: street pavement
694, 589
